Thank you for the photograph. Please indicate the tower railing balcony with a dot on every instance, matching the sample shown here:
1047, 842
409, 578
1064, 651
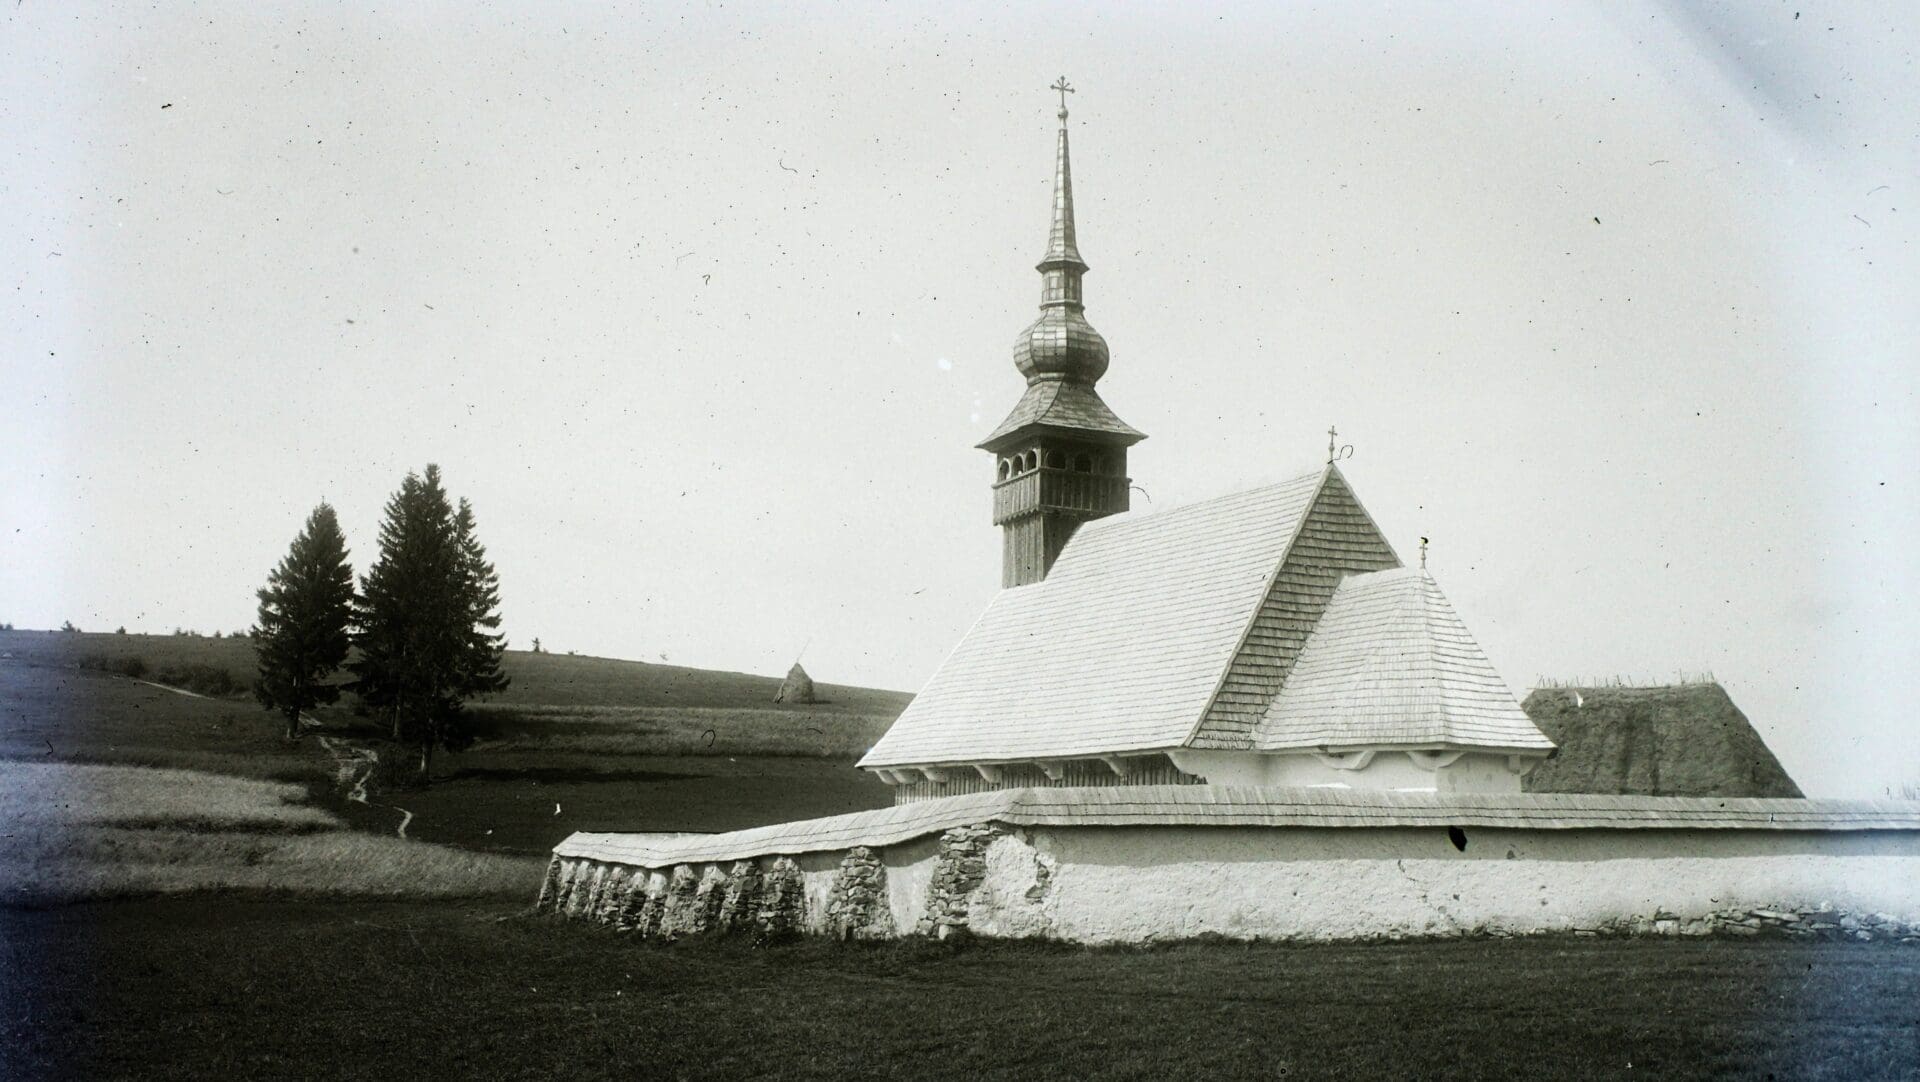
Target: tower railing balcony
1052, 488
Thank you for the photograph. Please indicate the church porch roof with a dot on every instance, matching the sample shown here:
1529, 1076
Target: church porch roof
1389, 663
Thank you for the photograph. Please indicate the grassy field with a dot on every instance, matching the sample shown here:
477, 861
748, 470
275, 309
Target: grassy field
500, 796
76, 832
538, 773
269, 938
539, 680
296, 989
66, 714
682, 730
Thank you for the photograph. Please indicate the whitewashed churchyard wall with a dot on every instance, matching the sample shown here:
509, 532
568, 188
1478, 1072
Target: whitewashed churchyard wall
1141, 884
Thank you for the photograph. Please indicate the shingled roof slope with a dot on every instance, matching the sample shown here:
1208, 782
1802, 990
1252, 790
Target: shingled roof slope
1119, 649
1390, 663
1062, 404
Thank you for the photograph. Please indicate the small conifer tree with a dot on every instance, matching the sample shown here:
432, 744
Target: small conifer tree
302, 636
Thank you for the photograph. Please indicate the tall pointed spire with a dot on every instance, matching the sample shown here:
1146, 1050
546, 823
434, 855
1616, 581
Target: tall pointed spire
1061, 344
1062, 453
1061, 246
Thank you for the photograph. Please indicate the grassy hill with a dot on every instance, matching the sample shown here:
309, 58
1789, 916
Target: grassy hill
577, 744
539, 680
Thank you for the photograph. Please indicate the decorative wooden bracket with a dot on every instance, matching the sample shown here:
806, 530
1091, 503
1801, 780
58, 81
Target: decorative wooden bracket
990, 772
1434, 760
1054, 771
1120, 767
937, 773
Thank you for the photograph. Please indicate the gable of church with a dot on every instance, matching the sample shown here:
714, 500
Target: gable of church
1336, 538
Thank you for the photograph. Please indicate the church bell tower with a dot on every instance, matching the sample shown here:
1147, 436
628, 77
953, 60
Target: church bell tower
1061, 455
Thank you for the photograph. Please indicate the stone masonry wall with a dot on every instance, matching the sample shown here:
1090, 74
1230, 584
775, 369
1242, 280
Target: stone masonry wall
745, 897
960, 867
858, 908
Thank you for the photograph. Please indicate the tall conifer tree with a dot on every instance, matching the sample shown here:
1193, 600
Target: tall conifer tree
428, 609
480, 593
302, 639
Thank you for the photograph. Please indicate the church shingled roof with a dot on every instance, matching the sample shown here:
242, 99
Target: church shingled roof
1391, 663
1119, 649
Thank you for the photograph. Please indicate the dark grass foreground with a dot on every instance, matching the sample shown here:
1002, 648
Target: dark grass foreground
224, 986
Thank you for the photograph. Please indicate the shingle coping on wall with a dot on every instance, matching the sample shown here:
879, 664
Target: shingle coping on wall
1236, 806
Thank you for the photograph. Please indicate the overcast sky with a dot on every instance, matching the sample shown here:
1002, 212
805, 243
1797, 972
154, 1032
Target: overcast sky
703, 307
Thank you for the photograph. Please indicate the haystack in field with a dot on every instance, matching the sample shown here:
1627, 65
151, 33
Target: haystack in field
1675, 740
796, 688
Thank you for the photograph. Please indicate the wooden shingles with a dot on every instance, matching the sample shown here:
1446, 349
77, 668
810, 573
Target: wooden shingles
1060, 404
1391, 663
1119, 649
1226, 806
1337, 538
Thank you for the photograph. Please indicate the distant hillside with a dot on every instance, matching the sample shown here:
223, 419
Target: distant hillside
1683, 740
568, 680
546, 680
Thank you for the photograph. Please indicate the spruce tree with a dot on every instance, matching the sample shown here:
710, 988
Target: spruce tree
426, 619
479, 586
304, 610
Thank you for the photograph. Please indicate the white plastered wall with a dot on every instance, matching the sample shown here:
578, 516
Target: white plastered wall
1103, 884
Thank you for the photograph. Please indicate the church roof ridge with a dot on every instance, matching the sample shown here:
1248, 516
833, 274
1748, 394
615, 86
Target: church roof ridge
1135, 518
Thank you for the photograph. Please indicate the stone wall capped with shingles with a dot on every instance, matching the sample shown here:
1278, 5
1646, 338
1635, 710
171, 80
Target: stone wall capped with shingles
1130, 884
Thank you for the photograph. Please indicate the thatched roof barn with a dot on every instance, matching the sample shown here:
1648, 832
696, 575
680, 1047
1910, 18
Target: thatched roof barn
1678, 740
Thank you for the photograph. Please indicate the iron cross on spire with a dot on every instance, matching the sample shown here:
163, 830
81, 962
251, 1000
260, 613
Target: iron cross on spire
1064, 88
1335, 449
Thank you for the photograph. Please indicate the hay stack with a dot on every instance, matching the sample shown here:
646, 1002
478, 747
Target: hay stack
1676, 740
796, 688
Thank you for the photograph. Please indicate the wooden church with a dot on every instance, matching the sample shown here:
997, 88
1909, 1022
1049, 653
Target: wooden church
1244, 717
1269, 638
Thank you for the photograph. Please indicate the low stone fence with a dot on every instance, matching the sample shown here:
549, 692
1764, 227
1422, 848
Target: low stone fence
1267, 865
1780, 922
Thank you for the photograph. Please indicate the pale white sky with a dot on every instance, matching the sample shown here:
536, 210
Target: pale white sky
703, 306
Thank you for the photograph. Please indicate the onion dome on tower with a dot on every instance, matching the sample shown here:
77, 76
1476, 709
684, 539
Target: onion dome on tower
1062, 454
